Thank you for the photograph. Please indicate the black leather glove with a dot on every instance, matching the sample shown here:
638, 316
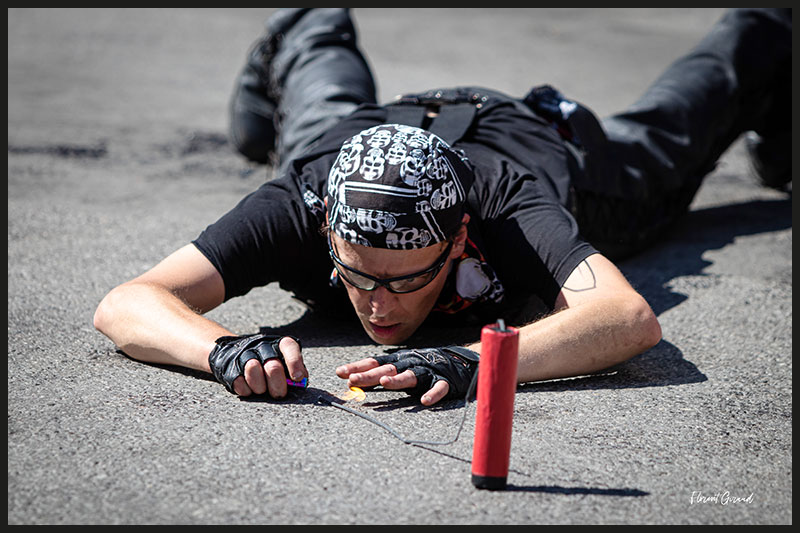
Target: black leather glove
454, 364
231, 353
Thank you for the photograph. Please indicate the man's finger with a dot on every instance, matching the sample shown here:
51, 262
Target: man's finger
403, 380
363, 365
371, 377
408, 379
240, 387
276, 378
254, 377
293, 358
436, 393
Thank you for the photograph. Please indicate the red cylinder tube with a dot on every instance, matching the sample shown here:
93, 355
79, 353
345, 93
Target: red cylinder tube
497, 385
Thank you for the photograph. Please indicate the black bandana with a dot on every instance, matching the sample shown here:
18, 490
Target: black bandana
396, 186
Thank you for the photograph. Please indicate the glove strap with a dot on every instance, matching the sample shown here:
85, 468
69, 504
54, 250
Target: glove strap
465, 353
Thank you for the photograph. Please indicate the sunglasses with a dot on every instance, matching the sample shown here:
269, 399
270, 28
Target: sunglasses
398, 285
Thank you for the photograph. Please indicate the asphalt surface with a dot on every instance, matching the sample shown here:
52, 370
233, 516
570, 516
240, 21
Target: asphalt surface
117, 156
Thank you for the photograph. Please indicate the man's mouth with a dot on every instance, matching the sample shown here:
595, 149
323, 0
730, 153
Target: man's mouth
383, 331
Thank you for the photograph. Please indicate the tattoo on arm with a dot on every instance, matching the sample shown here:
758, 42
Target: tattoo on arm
585, 282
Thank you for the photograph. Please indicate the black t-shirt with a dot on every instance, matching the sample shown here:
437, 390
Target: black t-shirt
518, 218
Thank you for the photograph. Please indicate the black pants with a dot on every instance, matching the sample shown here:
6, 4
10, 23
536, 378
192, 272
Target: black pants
738, 78
628, 187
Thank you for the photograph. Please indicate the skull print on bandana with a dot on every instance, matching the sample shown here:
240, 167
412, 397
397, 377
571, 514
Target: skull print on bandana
398, 187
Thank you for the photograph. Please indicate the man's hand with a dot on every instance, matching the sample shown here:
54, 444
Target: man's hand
432, 373
255, 364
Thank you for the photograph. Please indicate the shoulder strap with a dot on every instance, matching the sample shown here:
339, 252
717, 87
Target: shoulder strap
451, 123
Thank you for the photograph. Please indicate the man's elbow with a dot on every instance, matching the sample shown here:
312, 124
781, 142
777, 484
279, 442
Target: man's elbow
647, 327
101, 317
107, 310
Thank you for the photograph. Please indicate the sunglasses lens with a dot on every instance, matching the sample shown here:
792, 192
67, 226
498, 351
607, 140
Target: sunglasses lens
412, 284
356, 280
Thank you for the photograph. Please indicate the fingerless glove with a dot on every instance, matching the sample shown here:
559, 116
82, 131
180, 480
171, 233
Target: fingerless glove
231, 353
454, 364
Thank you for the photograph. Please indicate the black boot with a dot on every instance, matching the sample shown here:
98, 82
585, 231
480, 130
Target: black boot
256, 95
769, 145
771, 159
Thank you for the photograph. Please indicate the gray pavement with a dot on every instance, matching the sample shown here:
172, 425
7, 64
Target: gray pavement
117, 156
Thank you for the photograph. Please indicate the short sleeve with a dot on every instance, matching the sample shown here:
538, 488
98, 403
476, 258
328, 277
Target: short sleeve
270, 235
531, 240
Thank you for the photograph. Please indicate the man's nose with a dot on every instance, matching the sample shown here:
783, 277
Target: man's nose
380, 301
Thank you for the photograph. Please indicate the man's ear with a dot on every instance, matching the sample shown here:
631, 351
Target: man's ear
460, 238
462, 231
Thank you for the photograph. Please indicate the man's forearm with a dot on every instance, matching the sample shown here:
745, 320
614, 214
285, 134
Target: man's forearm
150, 324
584, 339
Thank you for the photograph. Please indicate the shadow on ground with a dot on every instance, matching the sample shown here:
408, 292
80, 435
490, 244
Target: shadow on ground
681, 253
